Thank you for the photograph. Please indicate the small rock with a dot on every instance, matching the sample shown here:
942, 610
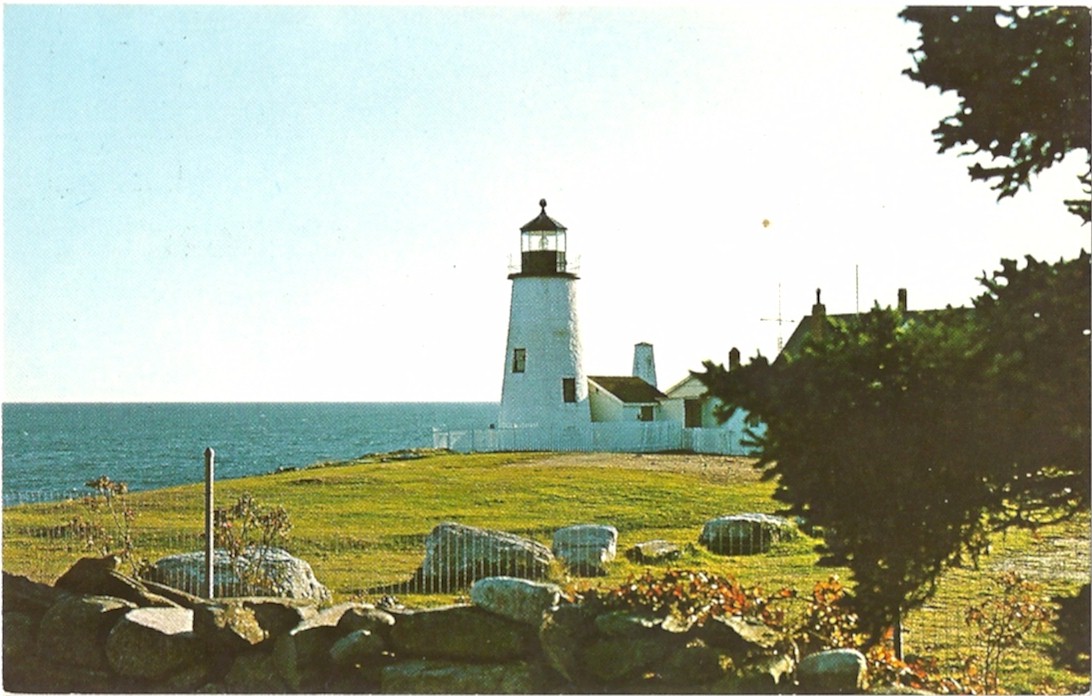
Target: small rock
515, 598
586, 549
356, 648
842, 671
655, 551
625, 624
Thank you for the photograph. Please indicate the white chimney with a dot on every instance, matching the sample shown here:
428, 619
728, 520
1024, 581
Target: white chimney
644, 363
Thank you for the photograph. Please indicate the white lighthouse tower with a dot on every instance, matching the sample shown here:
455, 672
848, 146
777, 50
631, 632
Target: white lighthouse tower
544, 380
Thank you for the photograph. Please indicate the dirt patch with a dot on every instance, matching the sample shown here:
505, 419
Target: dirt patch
710, 467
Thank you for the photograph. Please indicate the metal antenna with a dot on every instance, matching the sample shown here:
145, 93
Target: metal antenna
857, 286
780, 321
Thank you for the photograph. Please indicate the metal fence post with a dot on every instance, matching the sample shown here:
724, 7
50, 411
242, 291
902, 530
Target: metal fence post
210, 456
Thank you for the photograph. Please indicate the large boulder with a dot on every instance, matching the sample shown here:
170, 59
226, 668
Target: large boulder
153, 642
586, 549
745, 534
233, 624
518, 599
842, 671
74, 629
100, 576
739, 635
284, 574
435, 677
456, 555
461, 633
28, 597
358, 647
301, 657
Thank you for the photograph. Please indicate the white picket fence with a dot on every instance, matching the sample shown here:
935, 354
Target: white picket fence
596, 437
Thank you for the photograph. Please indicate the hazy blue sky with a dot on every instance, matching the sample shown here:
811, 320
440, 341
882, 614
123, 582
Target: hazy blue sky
278, 203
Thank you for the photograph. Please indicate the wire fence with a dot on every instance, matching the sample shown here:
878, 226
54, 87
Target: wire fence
45, 532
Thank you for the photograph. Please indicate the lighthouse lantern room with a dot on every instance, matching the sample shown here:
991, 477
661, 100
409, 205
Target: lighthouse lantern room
542, 245
544, 381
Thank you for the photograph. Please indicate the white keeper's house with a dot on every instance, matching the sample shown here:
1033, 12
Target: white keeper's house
548, 402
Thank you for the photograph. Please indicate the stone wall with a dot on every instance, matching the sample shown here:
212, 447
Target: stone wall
99, 631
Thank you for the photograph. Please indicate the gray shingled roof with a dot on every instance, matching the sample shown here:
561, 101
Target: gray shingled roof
630, 390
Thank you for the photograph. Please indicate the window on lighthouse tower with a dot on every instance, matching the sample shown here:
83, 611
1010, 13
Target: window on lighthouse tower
519, 360
568, 389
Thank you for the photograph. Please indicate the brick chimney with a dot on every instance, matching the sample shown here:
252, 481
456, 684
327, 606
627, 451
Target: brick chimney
902, 300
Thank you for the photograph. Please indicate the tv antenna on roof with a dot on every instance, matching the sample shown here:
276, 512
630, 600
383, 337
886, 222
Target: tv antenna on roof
780, 321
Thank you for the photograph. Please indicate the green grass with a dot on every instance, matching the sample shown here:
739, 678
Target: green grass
361, 525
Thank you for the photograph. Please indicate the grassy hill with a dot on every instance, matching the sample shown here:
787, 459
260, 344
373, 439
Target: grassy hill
361, 524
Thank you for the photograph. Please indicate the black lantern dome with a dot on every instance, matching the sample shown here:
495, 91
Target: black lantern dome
542, 246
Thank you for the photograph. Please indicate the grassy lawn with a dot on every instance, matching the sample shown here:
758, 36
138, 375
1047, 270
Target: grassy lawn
361, 524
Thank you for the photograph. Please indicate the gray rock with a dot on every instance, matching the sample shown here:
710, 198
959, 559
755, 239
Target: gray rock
655, 551
764, 675
515, 598
625, 624
621, 659
18, 634
460, 633
745, 534
301, 656
586, 549
100, 576
456, 555
153, 642
75, 629
231, 625
694, 663
23, 595
366, 617
356, 648
842, 671
227, 627
432, 677
187, 680
563, 637
738, 635
253, 673
287, 575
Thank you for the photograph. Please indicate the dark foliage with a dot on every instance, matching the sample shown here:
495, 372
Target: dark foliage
1022, 76
1072, 625
909, 437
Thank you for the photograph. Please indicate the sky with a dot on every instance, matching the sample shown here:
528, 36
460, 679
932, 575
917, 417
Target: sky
277, 203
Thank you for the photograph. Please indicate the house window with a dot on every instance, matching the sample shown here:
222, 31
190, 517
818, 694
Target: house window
519, 360
568, 390
645, 414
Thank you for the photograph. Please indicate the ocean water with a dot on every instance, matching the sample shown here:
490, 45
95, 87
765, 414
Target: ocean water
50, 450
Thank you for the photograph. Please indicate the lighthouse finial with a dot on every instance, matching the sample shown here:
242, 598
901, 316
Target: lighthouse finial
542, 204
